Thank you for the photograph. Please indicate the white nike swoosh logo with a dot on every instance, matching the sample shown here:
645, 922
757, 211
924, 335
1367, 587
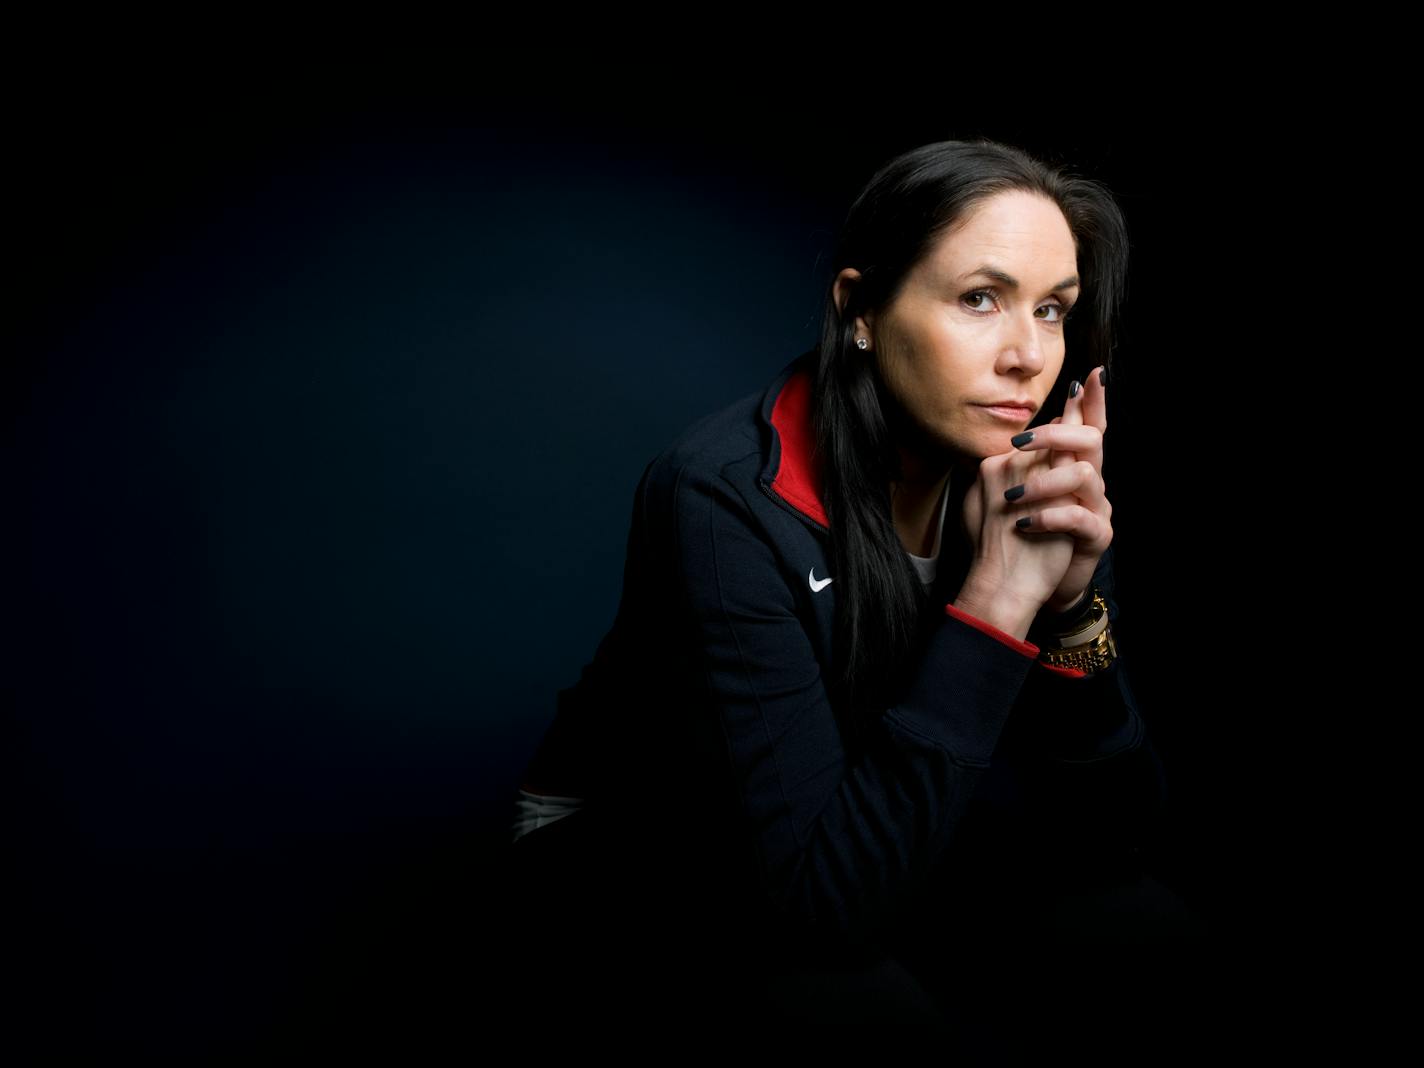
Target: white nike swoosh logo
817, 587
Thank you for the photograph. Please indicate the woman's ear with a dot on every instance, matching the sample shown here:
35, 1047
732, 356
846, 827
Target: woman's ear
840, 289
864, 327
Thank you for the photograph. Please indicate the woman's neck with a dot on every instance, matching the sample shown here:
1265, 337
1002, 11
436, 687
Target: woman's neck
914, 502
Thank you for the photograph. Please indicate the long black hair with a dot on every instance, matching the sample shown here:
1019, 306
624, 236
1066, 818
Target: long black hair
894, 223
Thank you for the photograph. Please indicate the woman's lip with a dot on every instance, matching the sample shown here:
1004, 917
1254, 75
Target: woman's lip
1018, 415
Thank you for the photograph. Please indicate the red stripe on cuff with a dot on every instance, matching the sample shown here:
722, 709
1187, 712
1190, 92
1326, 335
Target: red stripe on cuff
1026, 648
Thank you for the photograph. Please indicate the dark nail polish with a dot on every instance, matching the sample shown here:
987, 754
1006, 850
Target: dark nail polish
1073, 388
1024, 521
1013, 494
1103, 377
1018, 441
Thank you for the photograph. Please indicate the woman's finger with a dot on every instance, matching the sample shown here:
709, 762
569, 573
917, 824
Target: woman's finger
1077, 479
1072, 416
1092, 530
1081, 438
1095, 399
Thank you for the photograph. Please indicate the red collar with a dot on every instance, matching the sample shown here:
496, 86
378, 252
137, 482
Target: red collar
793, 469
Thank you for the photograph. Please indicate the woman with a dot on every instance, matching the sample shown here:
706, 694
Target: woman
862, 693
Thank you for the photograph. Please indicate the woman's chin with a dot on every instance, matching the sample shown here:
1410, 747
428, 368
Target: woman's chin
996, 444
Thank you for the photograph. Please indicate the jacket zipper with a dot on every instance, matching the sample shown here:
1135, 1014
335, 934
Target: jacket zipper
765, 488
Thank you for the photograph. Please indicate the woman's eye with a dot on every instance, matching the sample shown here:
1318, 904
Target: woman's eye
1060, 311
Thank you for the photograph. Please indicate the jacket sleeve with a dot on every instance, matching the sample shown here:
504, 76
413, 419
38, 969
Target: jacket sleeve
1096, 783
839, 844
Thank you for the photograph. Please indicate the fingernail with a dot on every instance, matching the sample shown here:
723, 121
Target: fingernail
1013, 494
1103, 377
1073, 388
1020, 440
1024, 521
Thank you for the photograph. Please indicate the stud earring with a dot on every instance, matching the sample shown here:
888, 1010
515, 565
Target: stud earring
861, 342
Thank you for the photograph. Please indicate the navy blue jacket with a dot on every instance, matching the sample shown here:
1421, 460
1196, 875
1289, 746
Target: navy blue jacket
719, 787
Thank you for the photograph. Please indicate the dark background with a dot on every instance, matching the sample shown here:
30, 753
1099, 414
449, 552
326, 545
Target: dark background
322, 417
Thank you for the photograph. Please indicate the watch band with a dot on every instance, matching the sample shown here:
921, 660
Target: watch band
1088, 648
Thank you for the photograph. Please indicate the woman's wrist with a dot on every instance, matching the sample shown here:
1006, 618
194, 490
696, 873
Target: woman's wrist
1073, 608
1050, 623
1004, 610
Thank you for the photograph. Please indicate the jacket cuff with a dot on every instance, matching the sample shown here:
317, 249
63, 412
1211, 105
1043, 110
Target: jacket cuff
961, 698
1026, 648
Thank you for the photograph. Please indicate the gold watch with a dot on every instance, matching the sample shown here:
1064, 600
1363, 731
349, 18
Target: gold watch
1089, 649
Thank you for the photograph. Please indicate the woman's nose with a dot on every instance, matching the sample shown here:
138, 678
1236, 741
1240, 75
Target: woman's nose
1025, 346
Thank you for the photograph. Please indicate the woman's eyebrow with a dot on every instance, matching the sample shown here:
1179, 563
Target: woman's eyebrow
990, 271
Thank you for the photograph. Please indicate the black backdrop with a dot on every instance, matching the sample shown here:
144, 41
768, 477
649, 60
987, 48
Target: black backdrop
322, 421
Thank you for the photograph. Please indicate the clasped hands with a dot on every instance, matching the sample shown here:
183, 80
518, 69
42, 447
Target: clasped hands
1061, 491
1065, 493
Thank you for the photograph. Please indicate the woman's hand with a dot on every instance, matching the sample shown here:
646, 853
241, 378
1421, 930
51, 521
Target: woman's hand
1068, 495
1010, 576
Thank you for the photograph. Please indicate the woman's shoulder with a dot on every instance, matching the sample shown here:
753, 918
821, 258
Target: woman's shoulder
718, 465
723, 446
736, 433
716, 439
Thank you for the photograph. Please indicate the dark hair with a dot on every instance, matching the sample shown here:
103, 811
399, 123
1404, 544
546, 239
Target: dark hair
894, 223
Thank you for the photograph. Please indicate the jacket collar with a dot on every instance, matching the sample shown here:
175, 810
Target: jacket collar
792, 470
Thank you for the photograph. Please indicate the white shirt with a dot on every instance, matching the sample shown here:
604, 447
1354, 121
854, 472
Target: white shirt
927, 566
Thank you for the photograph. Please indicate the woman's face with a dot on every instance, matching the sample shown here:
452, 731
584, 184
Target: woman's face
956, 339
